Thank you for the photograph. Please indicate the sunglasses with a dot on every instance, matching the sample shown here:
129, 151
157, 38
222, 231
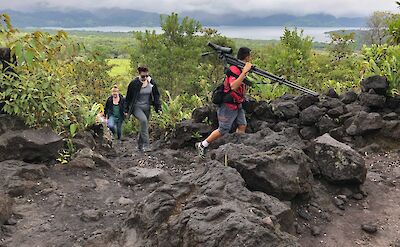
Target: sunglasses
144, 76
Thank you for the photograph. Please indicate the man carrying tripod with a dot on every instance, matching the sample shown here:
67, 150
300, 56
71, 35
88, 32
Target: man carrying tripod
231, 110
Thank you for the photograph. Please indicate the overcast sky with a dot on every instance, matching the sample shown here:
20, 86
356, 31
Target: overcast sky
253, 7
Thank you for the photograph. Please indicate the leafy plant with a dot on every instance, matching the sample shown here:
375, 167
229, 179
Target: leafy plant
176, 109
53, 85
383, 60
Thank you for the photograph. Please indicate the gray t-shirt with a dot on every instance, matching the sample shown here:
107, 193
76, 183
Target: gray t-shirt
144, 95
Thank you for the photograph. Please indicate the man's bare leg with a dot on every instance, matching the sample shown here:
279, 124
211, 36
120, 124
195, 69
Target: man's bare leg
214, 136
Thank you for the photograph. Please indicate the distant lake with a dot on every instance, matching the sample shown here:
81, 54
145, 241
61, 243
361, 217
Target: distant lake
254, 32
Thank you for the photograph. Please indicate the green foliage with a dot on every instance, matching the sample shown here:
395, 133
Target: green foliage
294, 59
53, 86
121, 72
176, 109
383, 60
174, 57
290, 58
394, 28
341, 45
377, 28
130, 126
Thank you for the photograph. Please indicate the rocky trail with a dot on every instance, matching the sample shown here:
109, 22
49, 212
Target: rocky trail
310, 172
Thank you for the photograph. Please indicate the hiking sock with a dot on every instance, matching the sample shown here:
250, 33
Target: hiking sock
205, 143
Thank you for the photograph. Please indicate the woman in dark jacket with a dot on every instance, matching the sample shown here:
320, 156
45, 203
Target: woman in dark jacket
142, 93
114, 112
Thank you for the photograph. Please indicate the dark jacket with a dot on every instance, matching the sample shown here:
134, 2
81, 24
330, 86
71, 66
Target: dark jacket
108, 109
133, 93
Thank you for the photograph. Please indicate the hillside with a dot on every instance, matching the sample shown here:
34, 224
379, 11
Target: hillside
123, 17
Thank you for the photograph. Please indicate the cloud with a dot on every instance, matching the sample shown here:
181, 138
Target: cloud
249, 7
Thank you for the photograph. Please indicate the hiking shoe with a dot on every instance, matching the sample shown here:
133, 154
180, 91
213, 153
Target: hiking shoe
201, 150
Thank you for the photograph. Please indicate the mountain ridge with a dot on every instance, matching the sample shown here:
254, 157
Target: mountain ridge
137, 18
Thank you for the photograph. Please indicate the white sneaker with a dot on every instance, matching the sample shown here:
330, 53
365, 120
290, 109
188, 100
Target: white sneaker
201, 150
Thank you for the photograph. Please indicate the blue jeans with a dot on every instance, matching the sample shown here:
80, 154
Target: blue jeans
115, 125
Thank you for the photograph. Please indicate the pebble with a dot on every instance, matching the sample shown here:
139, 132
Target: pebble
91, 215
11, 222
369, 228
125, 201
316, 231
268, 221
304, 214
358, 196
342, 197
299, 228
339, 203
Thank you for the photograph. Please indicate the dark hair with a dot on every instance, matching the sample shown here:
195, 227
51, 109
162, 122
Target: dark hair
243, 52
143, 68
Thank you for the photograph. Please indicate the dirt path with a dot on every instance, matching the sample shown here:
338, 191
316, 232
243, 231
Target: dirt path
381, 208
73, 205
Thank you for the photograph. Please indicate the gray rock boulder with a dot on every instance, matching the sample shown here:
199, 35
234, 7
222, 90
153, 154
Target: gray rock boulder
311, 115
264, 112
281, 172
326, 124
30, 145
348, 97
330, 103
265, 139
391, 130
87, 158
187, 132
364, 123
378, 83
372, 100
12, 123
139, 175
210, 207
337, 162
285, 109
309, 132
336, 112
305, 100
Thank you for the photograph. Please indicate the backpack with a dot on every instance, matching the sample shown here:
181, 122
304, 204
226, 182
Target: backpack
218, 94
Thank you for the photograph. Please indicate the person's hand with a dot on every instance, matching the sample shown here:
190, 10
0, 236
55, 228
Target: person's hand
149, 79
247, 67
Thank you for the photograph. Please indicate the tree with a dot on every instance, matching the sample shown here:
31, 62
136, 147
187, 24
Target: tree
394, 29
378, 26
174, 57
341, 45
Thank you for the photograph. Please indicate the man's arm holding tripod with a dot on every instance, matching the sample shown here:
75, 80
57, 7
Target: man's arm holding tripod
236, 83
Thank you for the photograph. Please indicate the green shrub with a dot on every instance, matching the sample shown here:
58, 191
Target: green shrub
176, 109
383, 60
174, 57
130, 126
53, 86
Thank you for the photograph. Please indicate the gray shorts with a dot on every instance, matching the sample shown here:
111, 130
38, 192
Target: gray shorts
227, 116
